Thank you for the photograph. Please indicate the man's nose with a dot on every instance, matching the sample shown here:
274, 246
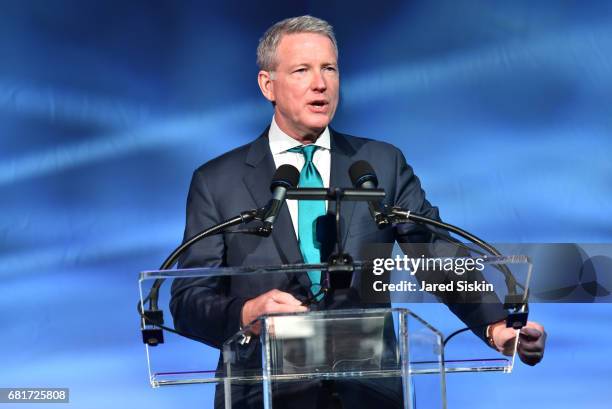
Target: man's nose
318, 82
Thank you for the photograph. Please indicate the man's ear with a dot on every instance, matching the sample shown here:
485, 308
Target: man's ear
266, 85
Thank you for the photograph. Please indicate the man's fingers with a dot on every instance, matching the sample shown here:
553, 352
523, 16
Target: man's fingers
530, 334
531, 343
532, 339
282, 297
535, 325
504, 339
508, 348
279, 308
531, 358
529, 354
535, 346
530, 348
268, 303
505, 334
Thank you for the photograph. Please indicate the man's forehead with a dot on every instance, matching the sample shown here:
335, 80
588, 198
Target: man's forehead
291, 41
307, 46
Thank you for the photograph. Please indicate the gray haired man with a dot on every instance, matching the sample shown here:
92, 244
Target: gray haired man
299, 75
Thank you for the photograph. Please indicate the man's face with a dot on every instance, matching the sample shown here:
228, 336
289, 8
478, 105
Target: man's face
304, 85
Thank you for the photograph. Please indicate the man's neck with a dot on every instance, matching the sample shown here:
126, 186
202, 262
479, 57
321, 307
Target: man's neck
307, 139
304, 138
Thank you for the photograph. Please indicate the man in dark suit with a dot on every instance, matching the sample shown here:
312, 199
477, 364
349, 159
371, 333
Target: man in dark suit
299, 76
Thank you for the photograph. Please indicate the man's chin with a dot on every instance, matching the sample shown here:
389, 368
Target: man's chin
315, 131
317, 125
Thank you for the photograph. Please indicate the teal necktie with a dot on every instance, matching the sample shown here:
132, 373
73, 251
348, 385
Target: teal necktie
308, 212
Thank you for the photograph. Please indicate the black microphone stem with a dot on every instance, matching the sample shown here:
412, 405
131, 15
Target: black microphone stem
244, 217
406, 216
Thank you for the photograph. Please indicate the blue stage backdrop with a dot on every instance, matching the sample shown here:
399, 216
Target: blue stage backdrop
106, 108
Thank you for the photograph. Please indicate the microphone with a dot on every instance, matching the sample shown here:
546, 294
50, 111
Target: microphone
363, 177
285, 177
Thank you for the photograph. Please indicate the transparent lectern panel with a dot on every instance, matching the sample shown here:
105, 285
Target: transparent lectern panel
333, 344
360, 348
425, 354
181, 360
178, 360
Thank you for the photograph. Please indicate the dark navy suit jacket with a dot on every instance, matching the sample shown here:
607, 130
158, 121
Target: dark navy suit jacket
239, 180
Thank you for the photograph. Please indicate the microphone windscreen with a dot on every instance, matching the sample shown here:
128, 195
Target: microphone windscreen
286, 176
361, 172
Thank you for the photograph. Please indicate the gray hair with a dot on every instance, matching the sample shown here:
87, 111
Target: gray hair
266, 50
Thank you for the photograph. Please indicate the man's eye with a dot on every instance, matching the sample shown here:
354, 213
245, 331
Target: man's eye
300, 70
330, 69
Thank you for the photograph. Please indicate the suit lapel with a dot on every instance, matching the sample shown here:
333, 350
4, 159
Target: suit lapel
341, 159
257, 181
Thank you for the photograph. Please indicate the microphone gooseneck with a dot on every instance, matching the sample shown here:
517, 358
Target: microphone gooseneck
363, 176
285, 177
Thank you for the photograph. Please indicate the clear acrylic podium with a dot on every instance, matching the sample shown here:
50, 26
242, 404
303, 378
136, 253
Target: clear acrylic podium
363, 346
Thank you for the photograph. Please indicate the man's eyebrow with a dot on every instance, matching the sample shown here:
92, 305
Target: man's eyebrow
305, 64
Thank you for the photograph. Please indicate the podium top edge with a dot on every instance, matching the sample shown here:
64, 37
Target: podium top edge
299, 268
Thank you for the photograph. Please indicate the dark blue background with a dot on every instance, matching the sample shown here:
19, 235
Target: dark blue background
503, 109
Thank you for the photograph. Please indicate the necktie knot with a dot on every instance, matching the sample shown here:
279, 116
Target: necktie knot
308, 151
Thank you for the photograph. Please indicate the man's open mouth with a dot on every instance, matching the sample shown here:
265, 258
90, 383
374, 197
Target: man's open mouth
318, 105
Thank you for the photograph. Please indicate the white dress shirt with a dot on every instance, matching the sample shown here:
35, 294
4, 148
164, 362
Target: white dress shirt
280, 143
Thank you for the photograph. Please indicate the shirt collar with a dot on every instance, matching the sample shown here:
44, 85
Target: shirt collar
281, 142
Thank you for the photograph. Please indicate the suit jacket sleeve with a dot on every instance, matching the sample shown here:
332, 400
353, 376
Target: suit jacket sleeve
475, 313
202, 306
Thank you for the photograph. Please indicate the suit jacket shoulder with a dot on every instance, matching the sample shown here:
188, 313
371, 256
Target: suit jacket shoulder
227, 163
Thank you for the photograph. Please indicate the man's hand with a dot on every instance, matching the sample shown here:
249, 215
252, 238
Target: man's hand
532, 340
274, 301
